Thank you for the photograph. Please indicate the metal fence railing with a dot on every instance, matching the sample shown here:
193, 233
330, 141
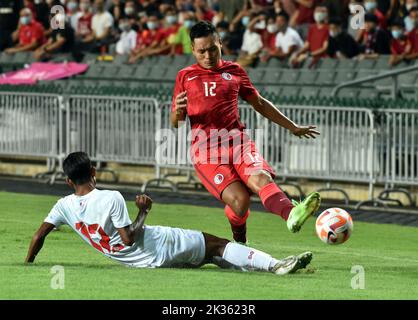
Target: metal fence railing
29, 125
356, 145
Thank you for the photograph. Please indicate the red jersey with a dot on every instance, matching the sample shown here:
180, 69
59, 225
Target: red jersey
212, 95
413, 39
31, 32
317, 37
84, 24
398, 46
147, 37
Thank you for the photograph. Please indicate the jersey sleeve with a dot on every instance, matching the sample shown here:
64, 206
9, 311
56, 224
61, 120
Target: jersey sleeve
119, 212
246, 88
55, 216
178, 87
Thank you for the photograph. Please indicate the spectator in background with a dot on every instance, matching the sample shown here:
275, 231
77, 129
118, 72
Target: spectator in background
231, 8
84, 29
375, 41
60, 41
9, 17
148, 40
31, 5
127, 39
203, 12
304, 13
412, 52
338, 9
288, 40
131, 13
118, 11
371, 8
252, 44
101, 24
42, 13
223, 30
29, 35
412, 16
182, 36
166, 33
340, 44
316, 43
73, 14
399, 44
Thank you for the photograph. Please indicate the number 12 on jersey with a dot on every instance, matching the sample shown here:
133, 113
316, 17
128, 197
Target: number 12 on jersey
210, 89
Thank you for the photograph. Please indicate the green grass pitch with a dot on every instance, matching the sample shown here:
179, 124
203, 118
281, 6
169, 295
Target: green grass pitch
386, 252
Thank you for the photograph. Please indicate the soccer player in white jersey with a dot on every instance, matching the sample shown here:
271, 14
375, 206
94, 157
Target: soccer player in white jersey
100, 217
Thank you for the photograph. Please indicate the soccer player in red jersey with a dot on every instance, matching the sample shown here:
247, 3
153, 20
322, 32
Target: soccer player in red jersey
207, 92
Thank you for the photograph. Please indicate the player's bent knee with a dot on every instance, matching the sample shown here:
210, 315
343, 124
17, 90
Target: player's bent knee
259, 180
240, 205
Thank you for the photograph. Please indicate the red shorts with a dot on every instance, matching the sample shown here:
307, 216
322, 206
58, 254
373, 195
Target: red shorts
231, 163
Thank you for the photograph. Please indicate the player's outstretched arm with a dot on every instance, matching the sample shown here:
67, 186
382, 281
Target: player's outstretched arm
268, 110
130, 234
38, 241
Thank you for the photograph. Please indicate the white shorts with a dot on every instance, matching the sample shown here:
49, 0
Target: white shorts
173, 247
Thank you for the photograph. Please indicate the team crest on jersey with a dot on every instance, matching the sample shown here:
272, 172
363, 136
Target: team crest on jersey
227, 76
219, 178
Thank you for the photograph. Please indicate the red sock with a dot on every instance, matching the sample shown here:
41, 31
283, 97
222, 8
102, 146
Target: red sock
238, 224
275, 201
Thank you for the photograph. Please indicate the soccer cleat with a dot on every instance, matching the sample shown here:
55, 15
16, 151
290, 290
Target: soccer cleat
302, 211
286, 265
303, 260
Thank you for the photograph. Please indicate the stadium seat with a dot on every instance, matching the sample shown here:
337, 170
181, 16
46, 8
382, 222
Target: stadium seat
182, 60
109, 71
309, 92
126, 71
289, 76
120, 59
290, 91
344, 76
382, 62
276, 63
141, 72
368, 93
172, 73
256, 74
328, 63
164, 60
349, 64
272, 76
94, 71
307, 77
22, 58
366, 64
325, 76
157, 72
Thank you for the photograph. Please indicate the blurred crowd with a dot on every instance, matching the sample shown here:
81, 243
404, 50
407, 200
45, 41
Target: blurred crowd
252, 30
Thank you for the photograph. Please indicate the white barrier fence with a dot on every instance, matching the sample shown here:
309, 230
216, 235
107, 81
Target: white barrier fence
355, 145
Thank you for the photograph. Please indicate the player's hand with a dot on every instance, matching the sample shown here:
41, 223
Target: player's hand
306, 131
143, 202
181, 103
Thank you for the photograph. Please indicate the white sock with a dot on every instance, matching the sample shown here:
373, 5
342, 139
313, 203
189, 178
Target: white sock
248, 258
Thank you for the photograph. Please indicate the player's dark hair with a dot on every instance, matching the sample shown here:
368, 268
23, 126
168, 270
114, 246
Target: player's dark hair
77, 167
284, 15
335, 21
202, 29
370, 17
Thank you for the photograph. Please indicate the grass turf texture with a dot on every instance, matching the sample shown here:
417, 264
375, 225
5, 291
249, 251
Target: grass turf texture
387, 253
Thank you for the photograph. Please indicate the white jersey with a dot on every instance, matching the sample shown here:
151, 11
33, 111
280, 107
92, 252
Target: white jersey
96, 216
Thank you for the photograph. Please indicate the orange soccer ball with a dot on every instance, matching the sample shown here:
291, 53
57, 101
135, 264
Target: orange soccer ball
334, 226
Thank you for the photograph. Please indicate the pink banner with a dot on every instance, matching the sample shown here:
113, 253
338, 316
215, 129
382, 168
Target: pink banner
42, 71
